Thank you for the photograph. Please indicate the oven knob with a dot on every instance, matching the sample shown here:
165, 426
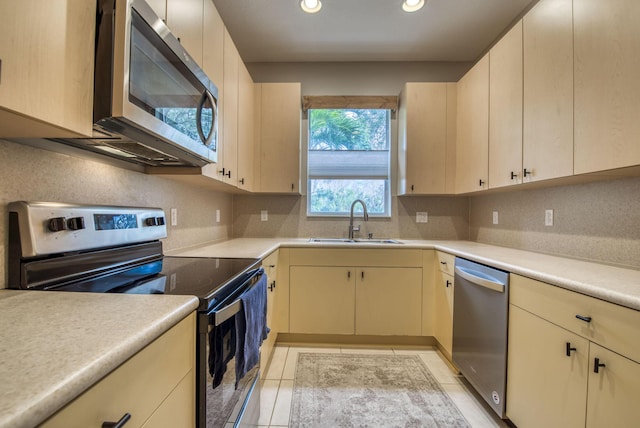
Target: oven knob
160, 221
57, 224
151, 221
75, 223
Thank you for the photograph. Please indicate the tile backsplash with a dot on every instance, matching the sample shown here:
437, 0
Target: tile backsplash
596, 221
33, 174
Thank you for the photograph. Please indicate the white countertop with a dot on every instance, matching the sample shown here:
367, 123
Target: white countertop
610, 283
55, 345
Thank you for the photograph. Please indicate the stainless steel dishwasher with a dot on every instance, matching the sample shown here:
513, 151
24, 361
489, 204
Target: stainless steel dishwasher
480, 317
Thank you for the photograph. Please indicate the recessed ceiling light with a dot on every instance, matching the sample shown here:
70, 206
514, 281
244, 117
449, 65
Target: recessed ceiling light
412, 5
312, 6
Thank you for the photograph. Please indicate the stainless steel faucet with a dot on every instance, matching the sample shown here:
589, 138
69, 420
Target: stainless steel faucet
353, 228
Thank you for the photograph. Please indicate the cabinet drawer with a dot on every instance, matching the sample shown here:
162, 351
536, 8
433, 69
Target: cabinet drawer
356, 257
270, 265
138, 386
612, 326
446, 262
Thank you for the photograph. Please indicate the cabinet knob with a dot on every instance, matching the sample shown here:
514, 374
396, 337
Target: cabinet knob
597, 364
122, 422
569, 349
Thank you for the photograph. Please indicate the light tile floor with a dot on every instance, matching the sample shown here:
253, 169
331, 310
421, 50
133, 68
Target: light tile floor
277, 385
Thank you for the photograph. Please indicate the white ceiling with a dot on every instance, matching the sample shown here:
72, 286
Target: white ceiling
366, 30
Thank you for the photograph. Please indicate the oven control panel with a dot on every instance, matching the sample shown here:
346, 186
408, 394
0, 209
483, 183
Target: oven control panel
49, 228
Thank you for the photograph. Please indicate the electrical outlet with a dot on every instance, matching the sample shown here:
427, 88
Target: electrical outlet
264, 215
495, 217
548, 217
422, 217
174, 216
217, 216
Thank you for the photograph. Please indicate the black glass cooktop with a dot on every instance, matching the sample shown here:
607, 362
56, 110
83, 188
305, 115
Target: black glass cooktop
205, 278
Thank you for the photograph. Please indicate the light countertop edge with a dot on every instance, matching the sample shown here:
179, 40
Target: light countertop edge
71, 358
610, 283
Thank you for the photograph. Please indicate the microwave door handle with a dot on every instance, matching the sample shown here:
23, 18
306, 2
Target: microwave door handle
206, 95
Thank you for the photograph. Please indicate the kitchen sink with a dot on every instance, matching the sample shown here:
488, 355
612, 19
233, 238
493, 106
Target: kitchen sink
354, 241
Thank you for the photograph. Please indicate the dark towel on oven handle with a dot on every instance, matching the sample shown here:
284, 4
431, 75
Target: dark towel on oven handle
251, 327
222, 345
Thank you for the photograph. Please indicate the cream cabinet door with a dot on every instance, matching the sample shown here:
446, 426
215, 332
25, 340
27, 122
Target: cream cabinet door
613, 391
322, 299
444, 311
270, 265
246, 137
505, 110
277, 159
545, 386
228, 152
422, 139
472, 146
184, 19
607, 88
547, 147
213, 45
46, 73
389, 301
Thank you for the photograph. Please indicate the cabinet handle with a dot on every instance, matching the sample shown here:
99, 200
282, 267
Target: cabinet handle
222, 172
443, 263
348, 274
597, 364
569, 349
527, 172
481, 181
513, 175
293, 187
412, 187
241, 181
272, 266
272, 285
583, 318
228, 174
362, 274
448, 283
122, 422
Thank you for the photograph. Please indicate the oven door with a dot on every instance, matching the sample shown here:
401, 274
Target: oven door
224, 401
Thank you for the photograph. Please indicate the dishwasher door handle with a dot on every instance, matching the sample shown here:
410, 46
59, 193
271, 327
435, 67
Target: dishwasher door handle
480, 279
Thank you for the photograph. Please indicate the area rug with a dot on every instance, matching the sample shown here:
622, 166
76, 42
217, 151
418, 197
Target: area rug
353, 390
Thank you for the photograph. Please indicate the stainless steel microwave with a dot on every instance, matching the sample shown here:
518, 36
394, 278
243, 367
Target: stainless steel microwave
153, 104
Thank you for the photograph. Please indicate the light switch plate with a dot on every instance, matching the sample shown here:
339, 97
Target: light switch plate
422, 217
548, 217
495, 217
264, 215
174, 216
217, 216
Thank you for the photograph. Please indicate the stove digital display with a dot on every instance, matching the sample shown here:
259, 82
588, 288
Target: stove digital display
115, 221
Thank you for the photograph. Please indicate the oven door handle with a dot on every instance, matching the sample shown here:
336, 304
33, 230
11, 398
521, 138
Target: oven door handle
231, 309
480, 279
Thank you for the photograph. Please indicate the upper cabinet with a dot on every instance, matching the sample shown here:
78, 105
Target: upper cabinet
277, 160
213, 45
228, 162
185, 20
472, 147
46, 68
426, 119
505, 109
607, 88
548, 91
246, 131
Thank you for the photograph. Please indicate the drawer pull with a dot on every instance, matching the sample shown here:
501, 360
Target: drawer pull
272, 285
582, 318
443, 263
448, 283
122, 422
348, 274
272, 266
597, 364
569, 349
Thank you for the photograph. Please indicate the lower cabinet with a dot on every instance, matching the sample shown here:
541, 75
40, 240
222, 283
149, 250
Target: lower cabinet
270, 265
336, 292
444, 311
156, 386
573, 359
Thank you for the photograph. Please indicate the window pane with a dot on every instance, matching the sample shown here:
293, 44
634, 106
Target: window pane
336, 196
348, 129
